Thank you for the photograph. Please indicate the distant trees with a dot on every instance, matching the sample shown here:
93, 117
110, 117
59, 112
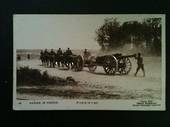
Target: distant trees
152, 33
113, 35
110, 33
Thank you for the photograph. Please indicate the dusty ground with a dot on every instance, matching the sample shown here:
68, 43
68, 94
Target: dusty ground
98, 85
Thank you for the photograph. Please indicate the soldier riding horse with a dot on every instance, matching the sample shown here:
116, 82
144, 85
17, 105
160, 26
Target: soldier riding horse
66, 59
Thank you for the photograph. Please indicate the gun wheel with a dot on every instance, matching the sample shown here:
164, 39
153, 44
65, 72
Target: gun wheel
109, 65
124, 66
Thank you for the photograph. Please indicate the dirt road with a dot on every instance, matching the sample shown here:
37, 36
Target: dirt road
126, 86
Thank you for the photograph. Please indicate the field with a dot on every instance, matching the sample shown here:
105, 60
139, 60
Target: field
95, 85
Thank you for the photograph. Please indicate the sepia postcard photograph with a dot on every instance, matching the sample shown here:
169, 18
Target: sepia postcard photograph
89, 62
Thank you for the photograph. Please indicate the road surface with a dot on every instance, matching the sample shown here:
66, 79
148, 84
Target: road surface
117, 86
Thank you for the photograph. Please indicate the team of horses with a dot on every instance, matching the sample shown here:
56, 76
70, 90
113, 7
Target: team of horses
63, 60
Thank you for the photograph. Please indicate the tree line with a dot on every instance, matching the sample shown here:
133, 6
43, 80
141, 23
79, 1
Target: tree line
113, 34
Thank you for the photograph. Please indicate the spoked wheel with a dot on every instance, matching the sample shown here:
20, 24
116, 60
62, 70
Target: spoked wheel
78, 63
110, 64
92, 64
124, 66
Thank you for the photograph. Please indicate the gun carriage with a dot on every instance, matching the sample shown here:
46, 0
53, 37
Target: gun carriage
111, 63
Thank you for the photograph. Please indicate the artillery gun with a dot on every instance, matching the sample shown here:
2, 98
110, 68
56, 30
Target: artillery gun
112, 63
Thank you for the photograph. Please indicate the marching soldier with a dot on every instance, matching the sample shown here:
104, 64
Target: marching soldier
140, 64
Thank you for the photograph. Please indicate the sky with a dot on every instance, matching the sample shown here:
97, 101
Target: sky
62, 31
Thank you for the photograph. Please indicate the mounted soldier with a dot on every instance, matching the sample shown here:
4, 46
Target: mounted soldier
46, 57
66, 57
68, 52
59, 56
52, 58
86, 55
42, 56
59, 52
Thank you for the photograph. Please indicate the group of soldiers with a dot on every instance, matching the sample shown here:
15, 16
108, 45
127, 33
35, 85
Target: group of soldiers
52, 52
49, 58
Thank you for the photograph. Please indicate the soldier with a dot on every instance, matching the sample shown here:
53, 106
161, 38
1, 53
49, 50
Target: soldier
85, 52
140, 64
67, 57
68, 52
52, 58
59, 52
45, 52
86, 55
52, 51
59, 56
41, 53
42, 56
46, 57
